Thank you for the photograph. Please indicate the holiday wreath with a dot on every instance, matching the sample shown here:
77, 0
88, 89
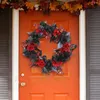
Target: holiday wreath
61, 54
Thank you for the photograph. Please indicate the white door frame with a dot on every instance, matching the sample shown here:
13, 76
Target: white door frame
15, 55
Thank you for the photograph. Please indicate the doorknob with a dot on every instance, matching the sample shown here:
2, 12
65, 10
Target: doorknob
22, 74
22, 84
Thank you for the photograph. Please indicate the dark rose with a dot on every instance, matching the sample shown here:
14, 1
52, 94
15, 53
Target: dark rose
38, 30
56, 32
44, 32
66, 47
40, 63
56, 64
31, 47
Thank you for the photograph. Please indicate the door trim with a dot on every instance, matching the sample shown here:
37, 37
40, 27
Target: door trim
82, 54
15, 55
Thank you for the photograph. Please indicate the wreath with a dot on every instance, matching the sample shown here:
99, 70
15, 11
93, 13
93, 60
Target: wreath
61, 54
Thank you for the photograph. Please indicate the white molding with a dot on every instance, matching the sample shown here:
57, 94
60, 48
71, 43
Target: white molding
82, 57
15, 55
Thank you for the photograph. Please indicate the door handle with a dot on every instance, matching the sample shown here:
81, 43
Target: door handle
23, 84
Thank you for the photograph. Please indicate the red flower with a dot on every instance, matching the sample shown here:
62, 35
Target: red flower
44, 32
31, 47
38, 30
66, 47
40, 63
56, 64
56, 32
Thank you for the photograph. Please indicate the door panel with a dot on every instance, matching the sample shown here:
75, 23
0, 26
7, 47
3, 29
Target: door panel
49, 87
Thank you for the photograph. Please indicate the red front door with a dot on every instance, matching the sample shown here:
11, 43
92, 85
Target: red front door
39, 86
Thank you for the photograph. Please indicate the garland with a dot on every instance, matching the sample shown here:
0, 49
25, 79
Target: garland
61, 55
51, 5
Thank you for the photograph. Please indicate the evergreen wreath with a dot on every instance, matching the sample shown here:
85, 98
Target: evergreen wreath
61, 54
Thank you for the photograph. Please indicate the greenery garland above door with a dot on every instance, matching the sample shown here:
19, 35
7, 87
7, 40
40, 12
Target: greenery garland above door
73, 6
